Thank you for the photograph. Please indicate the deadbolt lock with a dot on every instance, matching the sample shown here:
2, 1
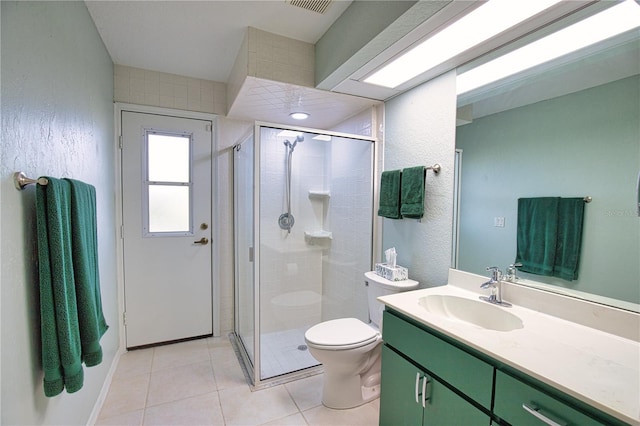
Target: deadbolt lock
204, 226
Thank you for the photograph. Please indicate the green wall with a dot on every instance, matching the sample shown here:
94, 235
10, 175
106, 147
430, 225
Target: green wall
57, 120
585, 143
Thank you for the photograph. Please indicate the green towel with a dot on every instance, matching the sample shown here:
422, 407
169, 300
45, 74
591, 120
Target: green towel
61, 347
72, 321
549, 236
390, 194
412, 193
537, 233
569, 242
84, 241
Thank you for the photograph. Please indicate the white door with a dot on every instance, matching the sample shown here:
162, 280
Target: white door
166, 191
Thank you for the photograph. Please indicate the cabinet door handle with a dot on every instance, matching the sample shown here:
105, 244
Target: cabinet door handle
417, 387
425, 381
535, 411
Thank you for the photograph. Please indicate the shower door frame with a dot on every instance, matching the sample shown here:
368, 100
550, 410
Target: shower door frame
253, 369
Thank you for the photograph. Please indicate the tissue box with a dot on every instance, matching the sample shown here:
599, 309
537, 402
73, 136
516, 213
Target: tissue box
398, 273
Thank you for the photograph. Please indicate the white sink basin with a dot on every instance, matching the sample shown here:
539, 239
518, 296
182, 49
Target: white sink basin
479, 313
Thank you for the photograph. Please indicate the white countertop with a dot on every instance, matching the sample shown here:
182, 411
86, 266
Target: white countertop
598, 368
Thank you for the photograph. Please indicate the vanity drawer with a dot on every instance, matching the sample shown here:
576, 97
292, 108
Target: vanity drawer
513, 395
463, 371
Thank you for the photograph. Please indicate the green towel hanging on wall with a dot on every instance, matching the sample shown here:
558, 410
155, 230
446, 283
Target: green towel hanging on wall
84, 241
390, 194
61, 346
412, 193
72, 321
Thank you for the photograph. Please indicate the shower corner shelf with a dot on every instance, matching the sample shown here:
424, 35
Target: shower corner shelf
319, 194
323, 235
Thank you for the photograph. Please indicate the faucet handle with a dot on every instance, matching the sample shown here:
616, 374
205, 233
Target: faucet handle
496, 274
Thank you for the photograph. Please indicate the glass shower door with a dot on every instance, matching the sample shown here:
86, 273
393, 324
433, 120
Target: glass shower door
243, 170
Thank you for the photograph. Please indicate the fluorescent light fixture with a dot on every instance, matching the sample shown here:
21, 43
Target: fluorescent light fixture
299, 115
606, 24
486, 21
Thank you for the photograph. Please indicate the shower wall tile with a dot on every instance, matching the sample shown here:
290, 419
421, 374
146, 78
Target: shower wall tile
360, 124
145, 87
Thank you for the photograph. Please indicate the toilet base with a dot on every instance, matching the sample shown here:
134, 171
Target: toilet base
345, 393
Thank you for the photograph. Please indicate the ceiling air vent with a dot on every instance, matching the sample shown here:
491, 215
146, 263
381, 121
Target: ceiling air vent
319, 6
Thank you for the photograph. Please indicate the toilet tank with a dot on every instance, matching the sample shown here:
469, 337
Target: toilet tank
378, 286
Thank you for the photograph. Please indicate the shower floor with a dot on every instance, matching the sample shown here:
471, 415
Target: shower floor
281, 353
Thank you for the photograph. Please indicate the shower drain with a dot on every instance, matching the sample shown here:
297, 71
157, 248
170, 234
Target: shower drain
302, 347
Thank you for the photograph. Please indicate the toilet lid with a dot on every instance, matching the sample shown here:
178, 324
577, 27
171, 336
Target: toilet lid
341, 332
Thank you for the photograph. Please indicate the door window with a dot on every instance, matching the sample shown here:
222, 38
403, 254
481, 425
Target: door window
168, 205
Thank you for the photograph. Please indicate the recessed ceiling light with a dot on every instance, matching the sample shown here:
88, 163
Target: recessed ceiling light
606, 24
299, 115
480, 25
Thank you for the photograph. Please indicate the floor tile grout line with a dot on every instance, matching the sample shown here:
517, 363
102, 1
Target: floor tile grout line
146, 398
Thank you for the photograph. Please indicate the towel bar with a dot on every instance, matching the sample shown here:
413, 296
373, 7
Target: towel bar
21, 180
436, 168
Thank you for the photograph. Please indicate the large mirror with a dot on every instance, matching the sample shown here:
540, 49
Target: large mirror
567, 130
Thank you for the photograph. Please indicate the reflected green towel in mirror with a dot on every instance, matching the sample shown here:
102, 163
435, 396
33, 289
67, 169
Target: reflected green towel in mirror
549, 236
537, 234
569, 242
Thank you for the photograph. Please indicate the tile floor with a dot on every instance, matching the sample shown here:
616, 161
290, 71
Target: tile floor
200, 382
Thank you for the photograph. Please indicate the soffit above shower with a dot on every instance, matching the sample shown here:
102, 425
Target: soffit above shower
270, 101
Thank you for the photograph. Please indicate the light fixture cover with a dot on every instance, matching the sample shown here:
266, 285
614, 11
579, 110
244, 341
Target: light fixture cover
486, 21
615, 20
299, 115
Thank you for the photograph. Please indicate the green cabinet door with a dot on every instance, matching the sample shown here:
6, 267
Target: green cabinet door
398, 404
463, 371
401, 398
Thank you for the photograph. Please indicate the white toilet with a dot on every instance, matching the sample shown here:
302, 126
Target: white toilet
349, 349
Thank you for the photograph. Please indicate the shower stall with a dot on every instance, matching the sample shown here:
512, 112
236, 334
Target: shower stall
303, 229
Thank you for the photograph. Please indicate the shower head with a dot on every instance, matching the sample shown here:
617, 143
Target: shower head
291, 146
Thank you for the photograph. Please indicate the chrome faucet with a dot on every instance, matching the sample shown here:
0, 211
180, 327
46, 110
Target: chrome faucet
512, 272
495, 284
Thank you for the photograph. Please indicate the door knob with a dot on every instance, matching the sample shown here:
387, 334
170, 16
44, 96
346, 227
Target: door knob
204, 241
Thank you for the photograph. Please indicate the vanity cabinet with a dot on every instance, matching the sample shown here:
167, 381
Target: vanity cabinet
427, 381
411, 396
518, 403
461, 386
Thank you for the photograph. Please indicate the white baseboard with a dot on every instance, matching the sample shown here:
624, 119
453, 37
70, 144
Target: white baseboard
105, 389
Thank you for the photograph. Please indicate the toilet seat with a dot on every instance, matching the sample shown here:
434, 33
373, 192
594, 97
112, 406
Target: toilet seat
341, 334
